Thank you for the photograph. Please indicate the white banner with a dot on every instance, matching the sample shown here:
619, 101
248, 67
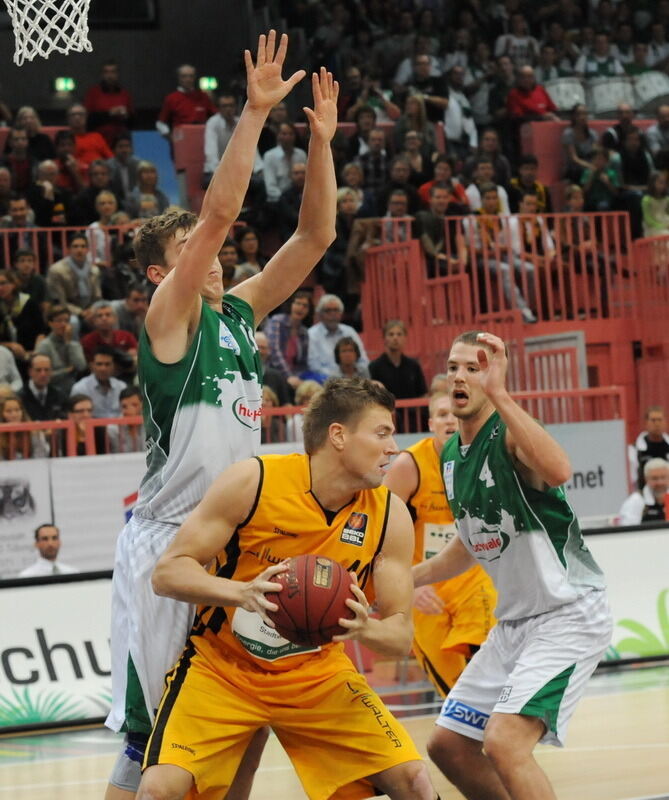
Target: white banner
55, 663
25, 503
91, 497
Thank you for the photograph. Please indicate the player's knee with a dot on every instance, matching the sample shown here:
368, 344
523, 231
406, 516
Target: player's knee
445, 748
410, 779
164, 782
509, 740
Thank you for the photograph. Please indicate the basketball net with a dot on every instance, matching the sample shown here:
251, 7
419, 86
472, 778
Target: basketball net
42, 26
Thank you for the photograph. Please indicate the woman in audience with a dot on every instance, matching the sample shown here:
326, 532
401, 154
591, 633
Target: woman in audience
304, 394
288, 338
273, 427
40, 145
346, 355
353, 178
490, 146
655, 206
21, 320
248, 247
418, 156
18, 444
414, 119
636, 167
99, 239
578, 143
146, 199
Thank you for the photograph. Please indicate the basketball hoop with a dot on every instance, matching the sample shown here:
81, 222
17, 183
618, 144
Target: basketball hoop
42, 26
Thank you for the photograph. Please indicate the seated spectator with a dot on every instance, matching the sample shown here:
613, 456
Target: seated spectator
269, 134
489, 234
9, 372
21, 319
47, 543
290, 202
600, 63
251, 261
657, 136
333, 268
41, 399
547, 68
126, 273
443, 176
123, 166
458, 53
646, 505
74, 281
636, 167
484, 175
70, 173
419, 159
401, 375
375, 163
106, 334
655, 206
374, 96
399, 178
415, 118
49, 201
304, 394
409, 68
28, 279
442, 255
479, 84
83, 210
517, 44
348, 359
613, 137
146, 200
89, 146
526, 181
228, 259
325, 334
461, 131
19, 444
79, 410
365, 121
601, 184
278, 162
653, 442
218, 131
273, 427
639, 63
101, 241
40, 145
109, 105
490, 146
131, 311
658, 47
103, 389
272, 377
289, 339
66, 355
396, 221
23, 235
529, 100
18, 160
533, 248
128, 438
352, 177
186, 105
432, 88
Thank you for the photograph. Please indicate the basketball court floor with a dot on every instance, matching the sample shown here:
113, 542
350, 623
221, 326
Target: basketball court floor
618, 749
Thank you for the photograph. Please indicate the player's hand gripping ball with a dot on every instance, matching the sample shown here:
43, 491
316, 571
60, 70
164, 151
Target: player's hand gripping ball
313, 599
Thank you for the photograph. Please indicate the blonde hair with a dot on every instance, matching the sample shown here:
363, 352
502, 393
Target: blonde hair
306, 391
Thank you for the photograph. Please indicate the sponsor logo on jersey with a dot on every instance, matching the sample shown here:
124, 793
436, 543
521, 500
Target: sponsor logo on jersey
449, 466
353, 531
281, 532
225, 338
244, 413
459, 712
176, 746
504, 694
488, 543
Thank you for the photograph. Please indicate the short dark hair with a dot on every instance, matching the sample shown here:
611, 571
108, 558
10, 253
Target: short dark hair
528, 159
129, 391
45, 525
364, 110
342, 400
23, 252
76, 235
57, 311
471, 338
485, 188
76, 398
103, 350
346, 341
151, 238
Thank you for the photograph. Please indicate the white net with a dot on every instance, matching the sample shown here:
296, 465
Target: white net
42, 26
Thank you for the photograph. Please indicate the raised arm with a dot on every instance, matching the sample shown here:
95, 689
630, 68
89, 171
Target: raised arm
180, 572
177, 299
392, 633
545, 462
315, 231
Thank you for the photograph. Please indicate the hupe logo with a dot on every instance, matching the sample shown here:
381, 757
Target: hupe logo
244, 413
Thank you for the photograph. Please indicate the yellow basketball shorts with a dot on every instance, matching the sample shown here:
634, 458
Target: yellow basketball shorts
334, 728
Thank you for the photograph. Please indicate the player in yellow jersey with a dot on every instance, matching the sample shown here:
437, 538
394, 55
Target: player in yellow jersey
237, 673
452, 618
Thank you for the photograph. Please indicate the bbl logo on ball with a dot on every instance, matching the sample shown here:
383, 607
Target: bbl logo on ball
323, 573
354, 529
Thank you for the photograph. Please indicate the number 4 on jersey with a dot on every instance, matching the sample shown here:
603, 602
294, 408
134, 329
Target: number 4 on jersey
486, 475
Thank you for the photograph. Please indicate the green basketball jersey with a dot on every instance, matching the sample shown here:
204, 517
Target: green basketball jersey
528, 541
202, 413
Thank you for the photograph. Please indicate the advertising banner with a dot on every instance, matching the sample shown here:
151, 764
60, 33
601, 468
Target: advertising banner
25, 503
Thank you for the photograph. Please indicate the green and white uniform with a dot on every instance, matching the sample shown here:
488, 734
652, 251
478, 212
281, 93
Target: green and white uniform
554, 622
201, 415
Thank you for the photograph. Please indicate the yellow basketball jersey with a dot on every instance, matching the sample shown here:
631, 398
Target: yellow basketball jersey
287, 520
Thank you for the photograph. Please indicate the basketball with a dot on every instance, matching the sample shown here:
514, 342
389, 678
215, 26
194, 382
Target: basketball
313, 599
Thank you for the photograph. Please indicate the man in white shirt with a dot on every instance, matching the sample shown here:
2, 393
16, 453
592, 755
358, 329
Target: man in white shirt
647, 505
484, 173
278, 162
218, 131
324, 335
47, 543
461, 132
103, 389
601, 63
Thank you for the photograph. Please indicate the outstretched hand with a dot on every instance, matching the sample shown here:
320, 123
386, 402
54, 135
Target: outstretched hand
265, 86
323, 117
493, 365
